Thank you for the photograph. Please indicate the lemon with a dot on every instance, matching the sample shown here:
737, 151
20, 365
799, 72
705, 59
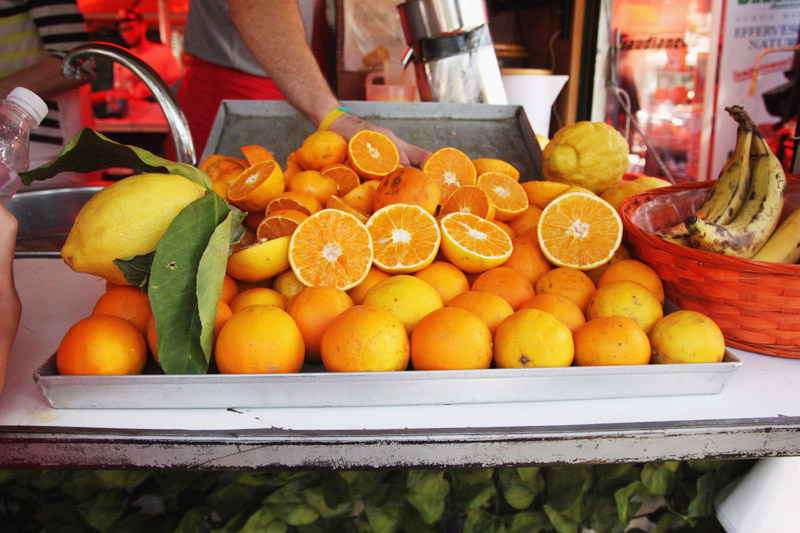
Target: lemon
260, 261
125, 219
588, 154
406, 297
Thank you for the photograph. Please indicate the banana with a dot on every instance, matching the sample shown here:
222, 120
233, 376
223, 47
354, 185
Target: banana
758, 216
784, 244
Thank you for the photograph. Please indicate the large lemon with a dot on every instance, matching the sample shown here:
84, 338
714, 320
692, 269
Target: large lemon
125, 219
588, 154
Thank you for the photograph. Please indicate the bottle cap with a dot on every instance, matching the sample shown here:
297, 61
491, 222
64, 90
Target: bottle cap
30, 102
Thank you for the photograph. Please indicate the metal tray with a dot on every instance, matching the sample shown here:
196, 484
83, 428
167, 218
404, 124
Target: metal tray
479, 130
313, 387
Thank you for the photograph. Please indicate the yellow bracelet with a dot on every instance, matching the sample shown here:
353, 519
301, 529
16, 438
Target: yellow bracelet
334, 113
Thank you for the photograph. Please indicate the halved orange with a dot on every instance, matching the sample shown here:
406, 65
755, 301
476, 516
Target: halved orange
223, 168
363, 196
331, 249
472, 243
372, 155
508, 196
336, 202
488, 164
280, 223
299, 201
450, 168
345, 177
256, 154
256, 186
259, 261
580, 230
469, 199
206, 163
405, 238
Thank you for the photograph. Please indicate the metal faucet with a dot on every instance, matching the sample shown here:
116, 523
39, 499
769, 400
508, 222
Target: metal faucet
176, 120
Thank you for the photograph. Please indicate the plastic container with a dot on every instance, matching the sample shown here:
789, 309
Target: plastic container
20, 112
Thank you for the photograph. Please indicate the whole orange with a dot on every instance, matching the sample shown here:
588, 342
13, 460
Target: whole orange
102, 345
489, 307
613, 340
320, 149
223, 314
259, 339
505, 282
287, 284
532, 338
229, 288
313, 309
560, 307
313, 183
621, 254
526, 221
625, 298
365, 339
129, 303
446, 278
374, 276
407, 185
451, 339
527, 258
569, 282
257, 296
687, 337
633, 270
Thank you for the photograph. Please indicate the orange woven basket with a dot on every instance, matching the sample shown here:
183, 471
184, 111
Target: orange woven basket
755, 304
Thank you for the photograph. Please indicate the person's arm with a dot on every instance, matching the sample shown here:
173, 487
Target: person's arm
44, 78
10, 308
273, 32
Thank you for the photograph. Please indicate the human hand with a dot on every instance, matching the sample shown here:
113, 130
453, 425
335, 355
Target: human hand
348, 125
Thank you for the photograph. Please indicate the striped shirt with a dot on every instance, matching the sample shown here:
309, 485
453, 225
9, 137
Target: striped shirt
29, 30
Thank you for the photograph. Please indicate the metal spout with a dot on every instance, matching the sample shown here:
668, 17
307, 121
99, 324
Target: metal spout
176, 120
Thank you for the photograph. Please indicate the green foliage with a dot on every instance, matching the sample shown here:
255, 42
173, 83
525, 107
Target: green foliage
678, 497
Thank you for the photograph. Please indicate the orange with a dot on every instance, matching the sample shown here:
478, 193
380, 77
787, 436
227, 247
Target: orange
580, 230
101, 345
622, 190
406, 297
259, 261
363, 196
223, 168
365, 339
450, 169
633, 270
345, 177
613, 340
280, 223
560, 307
405, 238
508, 196
488, 164
621, 254
446, 278
320, 149
532, 338
625, 298
505, 282
490, 308
299, 201
468, 199
253, 219
472, 243
257, 296
256, 154
259, 339
687, 337
129, 303
221, 188
505, 227
335, 202
256, 186
229, 289
313, 309
331, 249
374, 276
569, 282
542, 192
293, 166
451, 339
372, 155
407, 185
287, 284
313, 183
526, 221
223, 314
528, 259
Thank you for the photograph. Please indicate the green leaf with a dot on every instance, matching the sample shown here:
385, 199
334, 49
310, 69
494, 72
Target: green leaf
427, 490
195, 520
174, 283
270, 479
6, 476
666, 522
315, 497
659, 477
82, 485
173, 483
210, 277
335, 490
519, 493
566, 486
625, 510
61, 516
231, 499
136, 269
562, 522
123, 479
528, 522
103, 510
297, 514
364, 482
258, 521
383, 509
88, 151
608, 478
41, 479
474, 496
481, 521
703, 502
470, 476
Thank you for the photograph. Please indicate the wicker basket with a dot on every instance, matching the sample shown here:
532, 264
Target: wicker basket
755, 304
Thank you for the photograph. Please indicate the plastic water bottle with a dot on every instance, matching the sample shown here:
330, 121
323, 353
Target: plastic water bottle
20, 112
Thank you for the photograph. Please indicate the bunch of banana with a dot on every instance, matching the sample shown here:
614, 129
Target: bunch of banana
745, 225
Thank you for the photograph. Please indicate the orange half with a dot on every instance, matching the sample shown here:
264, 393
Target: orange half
450, 168
372, 155
405, 238
280, 223
256, 154
508, 196
469, 199
299, 201
256, 186
331, 249
579, 230
472, 243
345, 177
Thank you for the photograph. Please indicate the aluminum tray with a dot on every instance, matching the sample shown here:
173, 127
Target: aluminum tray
479, 130
313, 387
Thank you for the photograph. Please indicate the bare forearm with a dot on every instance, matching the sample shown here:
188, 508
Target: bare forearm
43, 78
273, 32
9, 301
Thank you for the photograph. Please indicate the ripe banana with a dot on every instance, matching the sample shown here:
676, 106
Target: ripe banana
758, 216
784, 244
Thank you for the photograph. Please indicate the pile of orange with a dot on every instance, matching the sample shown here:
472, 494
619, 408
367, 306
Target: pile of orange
351, 260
